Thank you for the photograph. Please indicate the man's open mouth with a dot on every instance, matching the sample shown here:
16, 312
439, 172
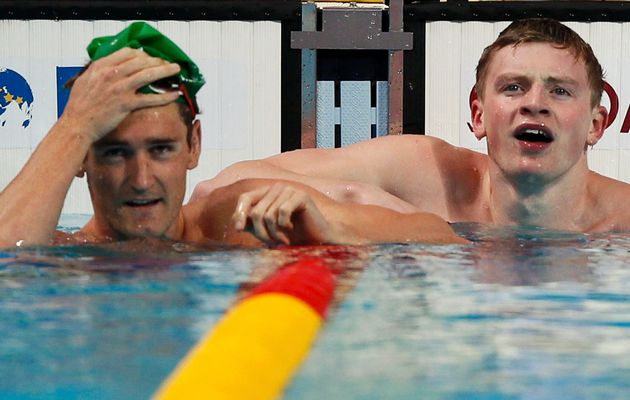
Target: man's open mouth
534, 135
142, 202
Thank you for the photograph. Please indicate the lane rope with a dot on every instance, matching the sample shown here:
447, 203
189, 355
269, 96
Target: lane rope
255, 349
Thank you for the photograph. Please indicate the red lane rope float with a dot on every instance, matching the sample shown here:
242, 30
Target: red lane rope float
253, 352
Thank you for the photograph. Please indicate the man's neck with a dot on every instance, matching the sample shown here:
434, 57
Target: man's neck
98, 230
560, 203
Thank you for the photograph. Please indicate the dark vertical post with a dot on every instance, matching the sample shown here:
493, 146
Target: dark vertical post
309, 80
414, 85
290, 86
396, 59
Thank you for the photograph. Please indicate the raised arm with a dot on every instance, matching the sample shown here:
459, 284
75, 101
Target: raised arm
100, 99
291, 213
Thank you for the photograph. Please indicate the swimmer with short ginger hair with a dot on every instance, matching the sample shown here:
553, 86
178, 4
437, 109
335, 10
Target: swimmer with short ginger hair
539, 87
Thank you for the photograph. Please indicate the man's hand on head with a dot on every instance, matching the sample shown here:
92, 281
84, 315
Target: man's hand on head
108, 90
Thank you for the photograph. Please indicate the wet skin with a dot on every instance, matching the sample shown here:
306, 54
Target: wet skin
539, 114
137, 175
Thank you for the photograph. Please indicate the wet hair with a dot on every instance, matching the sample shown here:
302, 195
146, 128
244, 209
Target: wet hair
184, 111
188, 119
544, 30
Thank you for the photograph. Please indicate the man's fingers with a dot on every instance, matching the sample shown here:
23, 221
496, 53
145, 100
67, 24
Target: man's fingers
133, 69
122, 73
140, 62
258, 211
244, 205
268, 212
295, 202
119, 56
271, 217
151, 74
152, 100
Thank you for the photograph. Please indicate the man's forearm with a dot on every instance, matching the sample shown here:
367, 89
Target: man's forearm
340, 190
30, 205
254, 169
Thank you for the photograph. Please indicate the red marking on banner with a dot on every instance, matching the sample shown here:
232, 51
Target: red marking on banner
614, 105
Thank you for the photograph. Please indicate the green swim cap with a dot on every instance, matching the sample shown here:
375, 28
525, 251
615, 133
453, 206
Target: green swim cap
140, 35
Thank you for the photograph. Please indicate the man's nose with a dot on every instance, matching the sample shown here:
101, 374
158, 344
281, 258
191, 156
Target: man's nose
140, 172
535, 102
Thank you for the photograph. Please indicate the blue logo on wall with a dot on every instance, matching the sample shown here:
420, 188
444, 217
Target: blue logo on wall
16, 100
63, 93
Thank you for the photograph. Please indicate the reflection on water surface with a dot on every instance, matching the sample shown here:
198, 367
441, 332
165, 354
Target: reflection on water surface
519, 313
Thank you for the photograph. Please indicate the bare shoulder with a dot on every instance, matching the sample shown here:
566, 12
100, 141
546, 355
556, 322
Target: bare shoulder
427, 169
390, 146
423, 149
375, 161
403, 143
610, 197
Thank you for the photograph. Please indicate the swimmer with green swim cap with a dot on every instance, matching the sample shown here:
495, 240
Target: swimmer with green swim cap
135, 146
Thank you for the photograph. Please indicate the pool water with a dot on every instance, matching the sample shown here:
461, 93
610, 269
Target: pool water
518, 314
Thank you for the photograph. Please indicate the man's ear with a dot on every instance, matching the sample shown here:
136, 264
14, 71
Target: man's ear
81, 172
598, 124
477, 117
195, 145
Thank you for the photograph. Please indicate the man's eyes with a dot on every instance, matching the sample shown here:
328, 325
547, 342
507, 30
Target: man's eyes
157, 151
512, 87
561, 91
515, 87
162, 149
114, 152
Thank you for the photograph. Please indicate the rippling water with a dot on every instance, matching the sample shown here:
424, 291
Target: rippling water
518, 314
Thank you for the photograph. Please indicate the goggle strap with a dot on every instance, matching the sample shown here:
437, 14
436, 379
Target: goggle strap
188, 99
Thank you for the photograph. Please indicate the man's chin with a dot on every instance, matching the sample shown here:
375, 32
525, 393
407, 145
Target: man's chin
526, 166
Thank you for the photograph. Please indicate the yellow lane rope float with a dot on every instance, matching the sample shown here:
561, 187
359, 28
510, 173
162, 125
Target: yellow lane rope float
253, 352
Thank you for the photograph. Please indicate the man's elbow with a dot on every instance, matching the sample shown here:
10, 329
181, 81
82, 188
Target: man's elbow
436, 230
